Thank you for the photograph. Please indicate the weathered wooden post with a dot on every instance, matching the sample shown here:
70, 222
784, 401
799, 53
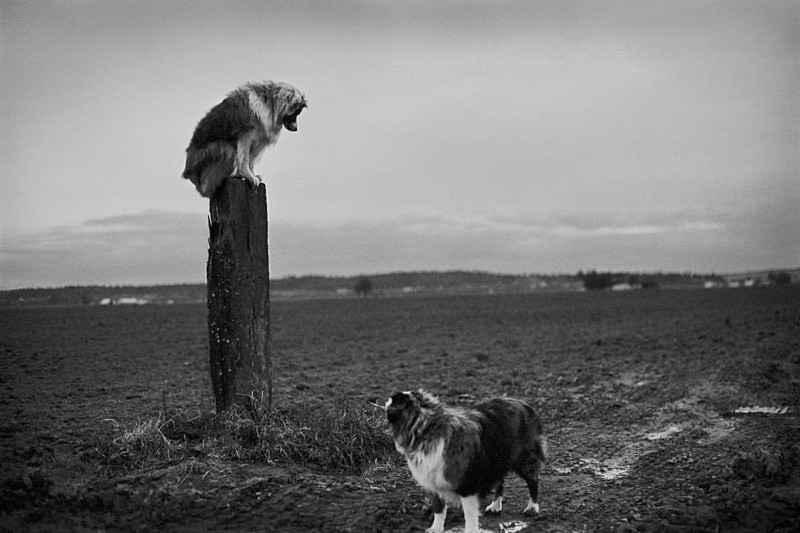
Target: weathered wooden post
238, 297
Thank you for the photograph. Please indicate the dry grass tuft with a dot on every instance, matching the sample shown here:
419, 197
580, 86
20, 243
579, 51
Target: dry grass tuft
335, 436
141, 445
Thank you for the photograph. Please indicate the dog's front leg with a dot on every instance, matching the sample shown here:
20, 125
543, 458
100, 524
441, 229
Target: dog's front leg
472, 512
242, 168
439, 508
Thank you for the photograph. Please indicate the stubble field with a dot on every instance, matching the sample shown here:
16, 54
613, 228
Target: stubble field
638, 393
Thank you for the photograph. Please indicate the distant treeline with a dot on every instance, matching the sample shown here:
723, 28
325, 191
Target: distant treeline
105, 294
593, 280
399, 280
398, 284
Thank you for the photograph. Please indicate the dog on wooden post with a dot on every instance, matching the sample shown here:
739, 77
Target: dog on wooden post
229, 140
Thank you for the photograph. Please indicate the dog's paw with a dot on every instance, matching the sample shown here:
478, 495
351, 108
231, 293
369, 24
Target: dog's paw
494, 508
254, 180
531, 510
434, 530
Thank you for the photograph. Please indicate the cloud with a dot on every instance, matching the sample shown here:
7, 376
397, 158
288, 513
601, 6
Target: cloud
143, 248
415, 106
548, 243
156, 247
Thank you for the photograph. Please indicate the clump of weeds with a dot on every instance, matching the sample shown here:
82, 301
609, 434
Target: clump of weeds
333, 436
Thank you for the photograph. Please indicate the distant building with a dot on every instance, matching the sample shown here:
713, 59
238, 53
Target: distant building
125, 300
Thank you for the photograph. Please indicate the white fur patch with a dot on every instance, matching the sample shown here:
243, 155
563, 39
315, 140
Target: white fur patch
531, 507
495, 507
471, 506
438, 522
258, 107
428, 471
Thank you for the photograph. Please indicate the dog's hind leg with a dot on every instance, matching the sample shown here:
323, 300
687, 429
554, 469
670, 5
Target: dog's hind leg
439, 508
530, 473
496, 507
212, 177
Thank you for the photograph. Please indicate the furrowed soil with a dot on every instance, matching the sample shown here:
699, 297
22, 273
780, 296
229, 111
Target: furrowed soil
638, 393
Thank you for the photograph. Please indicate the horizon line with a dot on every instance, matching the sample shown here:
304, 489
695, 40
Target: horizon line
449, 271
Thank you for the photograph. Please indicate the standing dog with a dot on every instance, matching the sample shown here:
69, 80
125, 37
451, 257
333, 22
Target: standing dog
229, 140
461, 455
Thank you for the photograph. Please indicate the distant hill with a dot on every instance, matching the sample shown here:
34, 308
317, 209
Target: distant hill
386, 285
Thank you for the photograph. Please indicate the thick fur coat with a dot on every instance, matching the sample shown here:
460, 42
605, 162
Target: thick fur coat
462, 454
230, 139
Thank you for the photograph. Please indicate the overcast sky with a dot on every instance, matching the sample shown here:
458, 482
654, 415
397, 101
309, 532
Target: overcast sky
515, 137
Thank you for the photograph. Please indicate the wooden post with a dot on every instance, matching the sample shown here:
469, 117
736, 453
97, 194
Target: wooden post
238, 297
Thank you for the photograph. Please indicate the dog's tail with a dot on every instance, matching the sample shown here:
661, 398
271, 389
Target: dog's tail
544, 450
535, 432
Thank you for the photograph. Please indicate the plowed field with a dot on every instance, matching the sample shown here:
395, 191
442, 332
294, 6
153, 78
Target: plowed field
641, 395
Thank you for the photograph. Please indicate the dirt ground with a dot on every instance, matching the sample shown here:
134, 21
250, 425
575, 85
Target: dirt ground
641, 395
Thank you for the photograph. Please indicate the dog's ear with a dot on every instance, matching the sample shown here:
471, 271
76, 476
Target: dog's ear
287, 103
425, 399
398, 403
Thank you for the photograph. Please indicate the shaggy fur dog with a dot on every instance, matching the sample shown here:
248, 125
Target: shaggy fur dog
461, 455
231, 137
